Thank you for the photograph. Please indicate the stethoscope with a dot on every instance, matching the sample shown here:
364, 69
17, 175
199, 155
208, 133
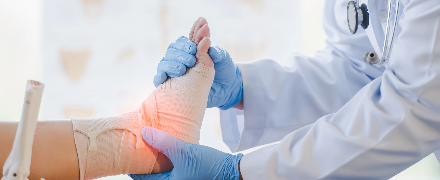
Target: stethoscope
358, 15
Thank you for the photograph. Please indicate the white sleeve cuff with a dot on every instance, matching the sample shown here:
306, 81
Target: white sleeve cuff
231, 133
232, 120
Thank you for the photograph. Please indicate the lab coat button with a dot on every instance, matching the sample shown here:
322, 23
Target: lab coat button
382, 16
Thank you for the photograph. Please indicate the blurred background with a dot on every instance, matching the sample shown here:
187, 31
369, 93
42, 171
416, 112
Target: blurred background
98, 57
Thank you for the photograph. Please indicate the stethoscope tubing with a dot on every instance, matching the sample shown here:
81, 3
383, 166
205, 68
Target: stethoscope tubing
387, 50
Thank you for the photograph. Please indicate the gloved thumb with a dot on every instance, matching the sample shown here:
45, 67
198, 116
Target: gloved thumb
202, 55
225, 69
161, 141
162, 176
159, 78
219, 55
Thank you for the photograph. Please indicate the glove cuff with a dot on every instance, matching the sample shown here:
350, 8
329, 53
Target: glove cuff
234, 163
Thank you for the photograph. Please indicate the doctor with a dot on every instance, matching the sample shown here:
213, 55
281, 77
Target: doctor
336, 116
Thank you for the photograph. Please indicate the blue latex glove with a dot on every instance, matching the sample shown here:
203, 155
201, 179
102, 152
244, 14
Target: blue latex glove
179, 56
191, 161
227, 89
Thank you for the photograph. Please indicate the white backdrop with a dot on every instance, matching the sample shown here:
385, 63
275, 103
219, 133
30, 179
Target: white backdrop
98, 57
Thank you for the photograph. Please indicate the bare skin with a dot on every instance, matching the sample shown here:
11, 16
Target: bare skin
200, 31
53, 153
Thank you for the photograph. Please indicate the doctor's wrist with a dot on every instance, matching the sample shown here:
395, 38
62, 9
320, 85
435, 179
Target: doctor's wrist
240, 105
234, 166
239, 172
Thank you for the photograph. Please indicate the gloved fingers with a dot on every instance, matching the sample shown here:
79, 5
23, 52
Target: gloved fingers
202, 52
199, 23
161, 176
219, 55
213, 100
171, 68
159, 78
203, 32
162, 141
179, 56
184, 44
225, 69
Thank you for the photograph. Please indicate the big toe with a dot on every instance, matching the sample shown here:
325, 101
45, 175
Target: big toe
202, 52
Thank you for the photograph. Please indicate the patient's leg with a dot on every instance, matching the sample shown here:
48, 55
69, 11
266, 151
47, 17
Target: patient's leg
54, 154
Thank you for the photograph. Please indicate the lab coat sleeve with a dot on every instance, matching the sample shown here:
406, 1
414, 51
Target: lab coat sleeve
390, 124
280, 98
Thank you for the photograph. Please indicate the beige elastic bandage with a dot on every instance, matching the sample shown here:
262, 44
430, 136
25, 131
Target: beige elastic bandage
114, 145
177, 106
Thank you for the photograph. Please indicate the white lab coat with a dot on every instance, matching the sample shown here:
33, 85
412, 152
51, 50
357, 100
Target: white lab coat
337, 117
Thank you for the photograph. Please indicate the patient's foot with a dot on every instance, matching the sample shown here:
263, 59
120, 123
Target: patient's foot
177, 106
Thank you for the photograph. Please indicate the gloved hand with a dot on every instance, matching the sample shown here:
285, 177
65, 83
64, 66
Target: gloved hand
227, 88
179, 56
191, 161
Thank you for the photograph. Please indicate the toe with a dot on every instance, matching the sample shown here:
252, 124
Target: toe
204, 31
202, 52
197, 25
